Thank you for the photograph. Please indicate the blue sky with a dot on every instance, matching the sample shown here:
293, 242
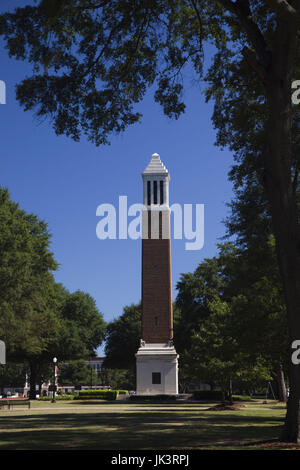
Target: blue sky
63, 182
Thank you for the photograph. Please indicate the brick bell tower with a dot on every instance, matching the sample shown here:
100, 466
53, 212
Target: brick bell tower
156, 359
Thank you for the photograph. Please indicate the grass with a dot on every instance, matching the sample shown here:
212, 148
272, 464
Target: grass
102, 425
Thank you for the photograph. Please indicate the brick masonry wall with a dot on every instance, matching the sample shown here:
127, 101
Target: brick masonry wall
156, 291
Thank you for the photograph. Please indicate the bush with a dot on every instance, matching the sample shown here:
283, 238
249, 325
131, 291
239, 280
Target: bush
58, 397
212, 395
100, 394
97, 395
242, 398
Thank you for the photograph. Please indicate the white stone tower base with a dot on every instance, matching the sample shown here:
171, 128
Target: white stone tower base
156, 363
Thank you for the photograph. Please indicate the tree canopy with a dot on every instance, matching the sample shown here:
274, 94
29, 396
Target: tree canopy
77, 373
122, 338
232, 321
39, 319
26, 280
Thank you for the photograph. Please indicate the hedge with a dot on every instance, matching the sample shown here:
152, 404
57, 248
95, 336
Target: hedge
208, 395
58, 397
242, 398
100, 394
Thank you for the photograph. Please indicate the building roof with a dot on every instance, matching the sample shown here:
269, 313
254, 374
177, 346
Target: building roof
155, 167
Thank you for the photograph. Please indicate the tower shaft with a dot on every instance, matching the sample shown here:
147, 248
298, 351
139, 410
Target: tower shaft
157, 317
157, 365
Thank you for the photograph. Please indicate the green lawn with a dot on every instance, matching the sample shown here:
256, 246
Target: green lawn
102, 425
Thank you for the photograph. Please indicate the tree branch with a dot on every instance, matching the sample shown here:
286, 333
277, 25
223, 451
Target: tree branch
199, 21
241, 9
284, 10
250, 57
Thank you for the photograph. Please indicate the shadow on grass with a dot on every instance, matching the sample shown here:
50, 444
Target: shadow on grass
134, 430
134, 404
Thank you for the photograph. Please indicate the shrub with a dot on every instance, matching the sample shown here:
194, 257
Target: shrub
100, 394
214, 395
242, 398
96, 395
58, 397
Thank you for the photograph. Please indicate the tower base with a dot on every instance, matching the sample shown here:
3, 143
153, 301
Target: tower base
156, 369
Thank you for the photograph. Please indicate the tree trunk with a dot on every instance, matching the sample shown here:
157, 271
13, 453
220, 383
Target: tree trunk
230, 399
281, 193
224, 392
281, 385
32, 380
183, 387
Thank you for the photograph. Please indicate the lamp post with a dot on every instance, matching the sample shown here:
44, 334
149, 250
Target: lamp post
54, 380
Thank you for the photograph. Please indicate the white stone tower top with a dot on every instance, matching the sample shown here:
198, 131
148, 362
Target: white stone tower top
156, 183
155, 167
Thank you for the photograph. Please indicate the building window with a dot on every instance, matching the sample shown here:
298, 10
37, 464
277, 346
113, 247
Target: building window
148, 193
161, 187
156, 378
155, 191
